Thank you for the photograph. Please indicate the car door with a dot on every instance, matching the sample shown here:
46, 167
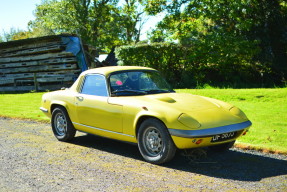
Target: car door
93, 109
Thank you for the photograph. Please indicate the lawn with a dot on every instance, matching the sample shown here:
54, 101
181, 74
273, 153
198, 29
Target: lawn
24, 105
266, 108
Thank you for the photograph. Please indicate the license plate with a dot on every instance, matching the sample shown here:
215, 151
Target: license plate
223, 137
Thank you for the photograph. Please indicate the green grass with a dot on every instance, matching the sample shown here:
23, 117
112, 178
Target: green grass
24, 105
266, 108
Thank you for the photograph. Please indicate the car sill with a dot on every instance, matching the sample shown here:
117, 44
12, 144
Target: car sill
103, 130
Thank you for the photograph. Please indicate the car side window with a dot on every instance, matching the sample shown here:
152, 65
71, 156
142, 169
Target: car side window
95, 84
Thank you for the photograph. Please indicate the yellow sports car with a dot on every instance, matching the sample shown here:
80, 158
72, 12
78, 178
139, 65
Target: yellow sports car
135, 104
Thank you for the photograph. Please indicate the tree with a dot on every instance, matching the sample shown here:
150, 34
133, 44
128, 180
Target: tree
132, 17
102, 23
14, 34
90, 19
241, 31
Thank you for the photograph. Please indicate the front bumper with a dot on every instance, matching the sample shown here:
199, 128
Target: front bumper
44, 110
209, 132
186, 139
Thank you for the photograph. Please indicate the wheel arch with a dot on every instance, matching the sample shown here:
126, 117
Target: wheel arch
58, 104
141, 119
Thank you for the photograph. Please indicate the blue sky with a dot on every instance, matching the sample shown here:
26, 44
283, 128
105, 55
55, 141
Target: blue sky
17, 13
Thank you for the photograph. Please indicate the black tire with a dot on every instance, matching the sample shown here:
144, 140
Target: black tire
154, 142
222, 147
62, 126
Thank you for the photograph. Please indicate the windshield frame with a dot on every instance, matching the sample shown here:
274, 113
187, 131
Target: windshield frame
140, 92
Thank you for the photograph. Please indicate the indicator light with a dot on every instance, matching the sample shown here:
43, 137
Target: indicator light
199, 141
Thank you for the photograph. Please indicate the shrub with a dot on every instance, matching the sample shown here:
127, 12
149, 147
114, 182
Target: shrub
189, 66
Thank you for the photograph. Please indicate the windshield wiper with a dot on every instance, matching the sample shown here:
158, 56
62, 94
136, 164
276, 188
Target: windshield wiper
130, 91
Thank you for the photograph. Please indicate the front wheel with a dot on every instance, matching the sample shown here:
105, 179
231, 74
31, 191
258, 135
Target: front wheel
154, 142
62, 126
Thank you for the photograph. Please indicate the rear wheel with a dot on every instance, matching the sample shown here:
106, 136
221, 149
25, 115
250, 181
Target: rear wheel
62, 126
222, 147
154, 142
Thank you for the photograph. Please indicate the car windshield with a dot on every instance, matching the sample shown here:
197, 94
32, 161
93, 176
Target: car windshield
138, 83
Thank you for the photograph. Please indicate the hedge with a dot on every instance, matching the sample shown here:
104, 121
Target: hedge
189, 67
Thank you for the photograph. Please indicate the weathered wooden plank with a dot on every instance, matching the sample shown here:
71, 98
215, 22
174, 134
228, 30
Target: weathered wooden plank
39, 68
31, 41
37, 40
40, 62
40, 78
33, 51
40, 74
35, 58
6, 81
4, 49
17, 88
32, 87
56, 79
45, 80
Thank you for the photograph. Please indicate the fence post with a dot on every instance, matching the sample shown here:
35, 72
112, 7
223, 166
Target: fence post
35, 82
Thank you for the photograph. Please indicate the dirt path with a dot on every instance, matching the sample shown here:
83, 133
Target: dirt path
31, 159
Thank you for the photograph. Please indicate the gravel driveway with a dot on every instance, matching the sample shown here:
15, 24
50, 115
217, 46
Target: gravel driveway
31, 159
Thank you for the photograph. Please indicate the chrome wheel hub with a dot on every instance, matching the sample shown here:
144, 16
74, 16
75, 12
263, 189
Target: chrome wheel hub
153, 141
60, 124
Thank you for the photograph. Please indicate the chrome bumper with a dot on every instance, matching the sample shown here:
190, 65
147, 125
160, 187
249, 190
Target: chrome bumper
44, 109
210, 131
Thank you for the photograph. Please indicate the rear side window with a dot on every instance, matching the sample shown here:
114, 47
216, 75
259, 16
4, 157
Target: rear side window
95, 84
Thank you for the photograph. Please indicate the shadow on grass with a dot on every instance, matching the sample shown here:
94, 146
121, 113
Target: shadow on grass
233, 164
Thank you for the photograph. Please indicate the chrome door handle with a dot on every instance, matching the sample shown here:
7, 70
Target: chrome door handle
80, 98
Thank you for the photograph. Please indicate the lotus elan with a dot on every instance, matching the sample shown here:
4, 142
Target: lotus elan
135, 104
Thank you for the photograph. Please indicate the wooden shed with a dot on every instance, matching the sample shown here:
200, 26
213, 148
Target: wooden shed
44, 63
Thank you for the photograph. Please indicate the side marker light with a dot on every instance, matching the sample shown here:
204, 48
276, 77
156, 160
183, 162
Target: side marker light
245, 132
199, 141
